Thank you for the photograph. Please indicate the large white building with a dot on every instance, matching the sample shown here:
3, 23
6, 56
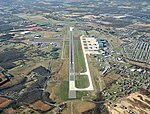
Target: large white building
90, 44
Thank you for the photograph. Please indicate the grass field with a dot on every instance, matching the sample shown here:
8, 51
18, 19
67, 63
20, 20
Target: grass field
82, 81
64, 89
80, 94
66, 50
48, 34
38, 19
114, 89
79, 57
98, 81
94, 32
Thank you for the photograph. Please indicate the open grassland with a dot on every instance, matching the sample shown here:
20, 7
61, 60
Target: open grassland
64, 89
66, 50
49, 34
38, 19
94, 32
63, 73
59, 91
79, 57
81, 94
82, 81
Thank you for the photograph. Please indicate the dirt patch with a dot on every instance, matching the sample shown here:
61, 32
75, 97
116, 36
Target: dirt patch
10, 111
67, 110
40, 106
6, 84
110, 78
54, 89
138, 63
82, 106
4, 102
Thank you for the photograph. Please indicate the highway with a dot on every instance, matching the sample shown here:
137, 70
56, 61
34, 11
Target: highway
72, 93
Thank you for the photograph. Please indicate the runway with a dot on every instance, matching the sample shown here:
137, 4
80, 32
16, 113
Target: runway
72, 87
72, 93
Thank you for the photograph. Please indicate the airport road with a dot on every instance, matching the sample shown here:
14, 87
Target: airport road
72, 93
72, 87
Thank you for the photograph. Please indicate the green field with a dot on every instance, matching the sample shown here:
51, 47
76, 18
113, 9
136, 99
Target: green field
114, 89
80, 94
82, 81
64, 89
66, 50
38, 19
79, 57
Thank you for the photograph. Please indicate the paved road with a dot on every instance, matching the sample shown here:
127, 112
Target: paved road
72, 93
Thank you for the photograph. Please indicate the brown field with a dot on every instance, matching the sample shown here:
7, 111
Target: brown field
66, 50
56, 65
82, 106
67, 110
40, 106
4, 102
6, 84
139, 25
63, 72
10, 111
109, 78
138, 63
33, 28
54, 89
77, 107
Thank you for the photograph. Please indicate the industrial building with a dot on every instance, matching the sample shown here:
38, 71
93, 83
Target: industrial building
93, 45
